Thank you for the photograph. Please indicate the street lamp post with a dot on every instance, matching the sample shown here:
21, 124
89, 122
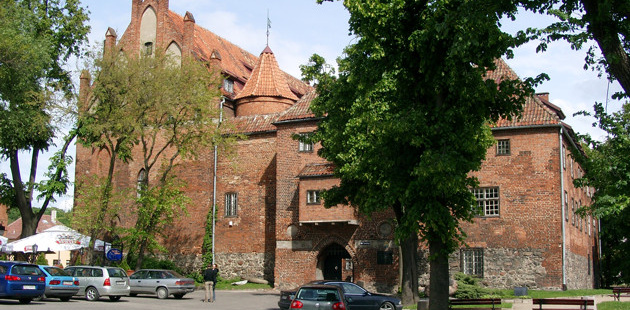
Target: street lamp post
34, 253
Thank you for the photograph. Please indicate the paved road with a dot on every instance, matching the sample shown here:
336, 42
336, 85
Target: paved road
226, 300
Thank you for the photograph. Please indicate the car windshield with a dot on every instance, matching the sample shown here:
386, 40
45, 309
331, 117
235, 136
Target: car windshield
27, 270
318, 294
350, 288
116, 273
55, 271
173, 274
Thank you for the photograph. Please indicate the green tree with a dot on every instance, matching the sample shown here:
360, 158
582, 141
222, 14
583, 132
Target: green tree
155, 110
607, 170
582, 21
406, 119
36, 40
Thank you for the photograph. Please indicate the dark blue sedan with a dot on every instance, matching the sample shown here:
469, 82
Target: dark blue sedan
21, 281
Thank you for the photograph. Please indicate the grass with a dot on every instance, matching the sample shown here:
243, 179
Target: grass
613, 305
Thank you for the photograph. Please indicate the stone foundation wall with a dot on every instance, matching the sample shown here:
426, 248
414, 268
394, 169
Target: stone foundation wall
578, 275
238, 265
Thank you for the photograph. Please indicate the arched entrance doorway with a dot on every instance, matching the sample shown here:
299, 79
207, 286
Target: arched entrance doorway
334, 263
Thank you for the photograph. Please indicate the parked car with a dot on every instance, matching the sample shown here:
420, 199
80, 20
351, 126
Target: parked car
160, 282
356, 297
21, 281
95, 282
59, 283
318, 297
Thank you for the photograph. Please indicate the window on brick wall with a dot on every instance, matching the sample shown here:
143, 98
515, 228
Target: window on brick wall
304, 146
566, 206
487, 200
472, 261
228, 85
503, 147
581, 218
313, 197
564, 157
572, 212
142, 181
231, 204
384, 257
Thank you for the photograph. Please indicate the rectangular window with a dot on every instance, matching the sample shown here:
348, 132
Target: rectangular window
313, 197
503, 147
384, 257
304, 146
564, 157
487, 200
566, 206
581, 218
228, 85
572, 212
231, 204
472, 261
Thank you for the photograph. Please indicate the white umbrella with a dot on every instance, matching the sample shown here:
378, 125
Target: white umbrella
54, 239
3, 243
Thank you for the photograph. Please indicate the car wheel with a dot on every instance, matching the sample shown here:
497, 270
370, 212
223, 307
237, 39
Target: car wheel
25, 300
91, 294
387, 306
65, 298
114, 298
178, 296
162, 293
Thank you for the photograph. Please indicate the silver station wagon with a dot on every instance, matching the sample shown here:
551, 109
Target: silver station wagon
160, 282
95, 282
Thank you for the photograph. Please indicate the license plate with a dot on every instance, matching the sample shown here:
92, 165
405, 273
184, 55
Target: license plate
120, 282
67, 282
29, 287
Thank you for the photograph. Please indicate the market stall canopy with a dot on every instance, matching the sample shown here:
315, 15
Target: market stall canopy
54, 239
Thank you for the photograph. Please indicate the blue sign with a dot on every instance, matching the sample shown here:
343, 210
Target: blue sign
114, 254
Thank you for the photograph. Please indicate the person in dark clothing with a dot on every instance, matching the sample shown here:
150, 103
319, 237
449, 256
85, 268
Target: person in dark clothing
210, 281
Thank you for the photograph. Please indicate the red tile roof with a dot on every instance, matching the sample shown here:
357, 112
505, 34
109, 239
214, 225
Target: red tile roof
317, 170
300, 110
267, 79
254, 123
14, 229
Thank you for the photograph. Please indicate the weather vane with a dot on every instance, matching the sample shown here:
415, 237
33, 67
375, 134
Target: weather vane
268, 26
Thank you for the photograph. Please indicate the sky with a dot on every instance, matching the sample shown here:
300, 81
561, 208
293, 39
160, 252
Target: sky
300, 28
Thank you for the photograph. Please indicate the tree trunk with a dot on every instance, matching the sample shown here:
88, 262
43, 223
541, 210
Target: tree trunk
605, 32
439, 275
409, 264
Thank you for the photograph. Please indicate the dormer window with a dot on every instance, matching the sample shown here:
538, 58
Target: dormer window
148, 48
228, 86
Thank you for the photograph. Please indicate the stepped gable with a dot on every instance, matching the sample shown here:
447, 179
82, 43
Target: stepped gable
535, 111
234, 61
267, 80
301, 110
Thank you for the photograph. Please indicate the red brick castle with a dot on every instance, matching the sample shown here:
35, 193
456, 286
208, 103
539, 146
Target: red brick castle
271, 223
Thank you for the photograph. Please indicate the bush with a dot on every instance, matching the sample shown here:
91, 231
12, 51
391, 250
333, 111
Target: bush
467, 287
154, 263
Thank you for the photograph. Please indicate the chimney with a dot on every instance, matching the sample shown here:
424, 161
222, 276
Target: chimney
543, 96
53, 216
110, 41
84, 90
189, 33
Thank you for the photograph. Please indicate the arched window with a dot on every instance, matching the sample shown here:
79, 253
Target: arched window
142, 181
148, 31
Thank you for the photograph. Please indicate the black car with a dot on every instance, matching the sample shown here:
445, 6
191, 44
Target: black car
356, 297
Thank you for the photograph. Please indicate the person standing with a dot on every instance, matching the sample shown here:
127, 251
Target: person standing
210, 280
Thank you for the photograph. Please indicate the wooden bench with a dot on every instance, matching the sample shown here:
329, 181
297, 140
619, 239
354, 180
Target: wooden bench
493, 303
617, 291
582, 304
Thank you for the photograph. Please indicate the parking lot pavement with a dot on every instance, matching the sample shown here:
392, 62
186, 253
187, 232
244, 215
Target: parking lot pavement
226, 300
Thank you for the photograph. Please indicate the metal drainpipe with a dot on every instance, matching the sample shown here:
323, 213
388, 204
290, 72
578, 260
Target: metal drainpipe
214, 181
563, 203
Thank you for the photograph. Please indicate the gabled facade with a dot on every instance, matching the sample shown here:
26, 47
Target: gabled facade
270, 221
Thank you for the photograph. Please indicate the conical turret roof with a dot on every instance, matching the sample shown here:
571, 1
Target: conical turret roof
267, 80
